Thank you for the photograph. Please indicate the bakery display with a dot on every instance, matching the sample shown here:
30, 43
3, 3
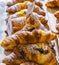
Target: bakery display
27, 38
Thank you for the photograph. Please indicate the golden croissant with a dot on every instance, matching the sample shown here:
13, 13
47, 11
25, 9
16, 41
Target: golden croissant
19, 6
35, 52
33, 21
52, 3
17, 24
23, 13
27, 37
19, 1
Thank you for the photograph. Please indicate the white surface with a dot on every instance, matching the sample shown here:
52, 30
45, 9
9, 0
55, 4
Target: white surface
2, 27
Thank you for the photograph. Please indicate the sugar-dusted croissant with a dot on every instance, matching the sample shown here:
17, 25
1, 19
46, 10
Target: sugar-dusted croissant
57, 26
15, 25
12, 59
33, 21
23, 13
19, 1
52, 3
27, 37
19, 6
18, 23
39, 53
56, 14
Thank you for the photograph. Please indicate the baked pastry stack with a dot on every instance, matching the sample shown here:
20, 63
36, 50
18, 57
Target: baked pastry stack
28, 41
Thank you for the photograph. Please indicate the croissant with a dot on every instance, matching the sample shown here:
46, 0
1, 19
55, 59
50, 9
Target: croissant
27, 37
23, 13
18, 23
36, 53
15, 25
19, 1
52, 3
56, 14
19, 6
33, 21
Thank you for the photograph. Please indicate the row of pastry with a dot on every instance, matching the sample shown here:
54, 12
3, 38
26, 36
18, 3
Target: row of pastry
28, 40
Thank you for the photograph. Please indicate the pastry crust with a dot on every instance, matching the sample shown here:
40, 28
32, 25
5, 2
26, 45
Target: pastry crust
37, 53
27, 37
19, 1
21, 23
19, 6
52, 3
